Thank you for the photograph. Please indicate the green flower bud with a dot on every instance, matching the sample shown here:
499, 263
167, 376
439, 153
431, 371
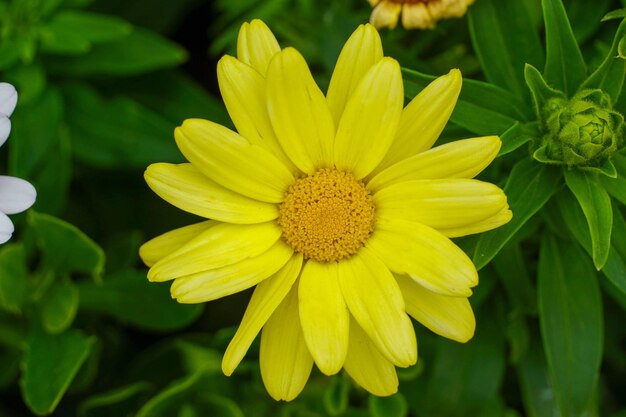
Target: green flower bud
583, 131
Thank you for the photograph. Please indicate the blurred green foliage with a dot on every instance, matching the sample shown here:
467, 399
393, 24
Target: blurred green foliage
103, 83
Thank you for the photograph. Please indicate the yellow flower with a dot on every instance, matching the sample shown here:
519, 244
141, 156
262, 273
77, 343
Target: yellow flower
334, 206
416, 14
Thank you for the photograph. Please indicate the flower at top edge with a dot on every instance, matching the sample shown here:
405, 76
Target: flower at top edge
416, 14
16, 194
334, 206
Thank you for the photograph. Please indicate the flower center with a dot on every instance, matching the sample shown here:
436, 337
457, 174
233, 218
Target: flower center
327, 216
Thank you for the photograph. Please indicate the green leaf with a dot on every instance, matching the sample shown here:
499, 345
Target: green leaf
615, 14
13, 277
539, 89
482, 108
464, 377
92, 27
65, 248
585, 17
517, 136
175, 96
140, 52
512, 271
504, 41
529, 187
336, 396
565, 67
169, 399
53, 176
393, 406
112, 402
49, 364
570, 313
615, 267
35, 131
616, 187
29, 80
609, 77
59, 307
534, 381
596, 204
129, 297
117, 133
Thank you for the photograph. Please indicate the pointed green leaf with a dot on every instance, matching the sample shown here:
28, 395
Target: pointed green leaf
49, 364
609, 77
529, 187
539, 89
517, 136
65, 248
596, 204
482, 108
615, 267
570, 313
504, 41
13, 277
615, 14
129, 297
616, 186
565, 67
59, 306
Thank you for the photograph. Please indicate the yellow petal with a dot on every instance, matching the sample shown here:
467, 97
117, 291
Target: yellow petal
424, 118
285, 360
243, 92
367, 366
426, 255
217, 283
159, 247
503, 217
323, 315
459, 159
265, 299
188, 189
256, 45
386, 14
231, 161
374, 299
370, 119
446, 204
416, 16
362, 50
450, 317
299, 112
222, 245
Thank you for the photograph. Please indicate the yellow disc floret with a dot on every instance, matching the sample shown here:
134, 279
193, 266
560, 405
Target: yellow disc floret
327, 216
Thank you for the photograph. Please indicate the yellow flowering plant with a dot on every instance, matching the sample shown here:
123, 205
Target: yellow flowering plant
336, 207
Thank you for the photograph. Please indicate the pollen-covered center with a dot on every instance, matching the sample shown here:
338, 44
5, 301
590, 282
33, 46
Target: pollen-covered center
327, 216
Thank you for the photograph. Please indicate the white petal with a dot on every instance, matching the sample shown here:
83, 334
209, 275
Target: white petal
16, 194
6, 228
5, 129
8, 99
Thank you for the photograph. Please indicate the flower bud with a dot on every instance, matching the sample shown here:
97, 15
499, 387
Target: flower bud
583, 131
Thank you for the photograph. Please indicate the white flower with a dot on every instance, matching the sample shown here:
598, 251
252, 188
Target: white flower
16, 194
